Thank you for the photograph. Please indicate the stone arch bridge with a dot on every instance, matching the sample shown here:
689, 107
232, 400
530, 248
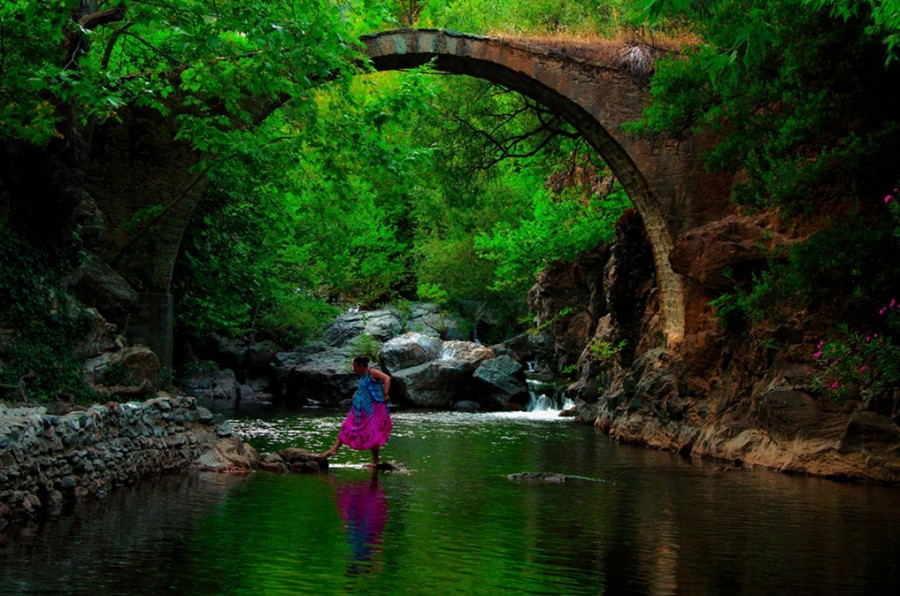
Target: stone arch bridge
665, 179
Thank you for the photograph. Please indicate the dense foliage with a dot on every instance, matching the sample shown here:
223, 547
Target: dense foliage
393, 189
801, 99
72, 63
324, 190
512, 17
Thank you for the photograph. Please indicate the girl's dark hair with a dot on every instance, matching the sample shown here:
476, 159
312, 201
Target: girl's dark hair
361, 361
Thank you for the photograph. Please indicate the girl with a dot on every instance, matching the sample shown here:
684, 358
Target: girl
368, 424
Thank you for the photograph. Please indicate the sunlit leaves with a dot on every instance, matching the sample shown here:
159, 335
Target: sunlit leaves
214, 58
535, 17
557, 228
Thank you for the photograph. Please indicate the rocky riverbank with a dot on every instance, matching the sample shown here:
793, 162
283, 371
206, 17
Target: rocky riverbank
718, 395
50, 462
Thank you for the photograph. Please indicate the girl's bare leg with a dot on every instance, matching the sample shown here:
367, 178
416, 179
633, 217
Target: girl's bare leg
333, 451
375, 452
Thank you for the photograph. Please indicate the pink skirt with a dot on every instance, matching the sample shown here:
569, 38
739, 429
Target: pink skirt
362, 431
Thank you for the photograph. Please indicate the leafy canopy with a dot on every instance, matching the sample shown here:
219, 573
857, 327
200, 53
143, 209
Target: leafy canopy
71, 63
796, 91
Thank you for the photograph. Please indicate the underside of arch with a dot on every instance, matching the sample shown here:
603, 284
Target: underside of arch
453, 53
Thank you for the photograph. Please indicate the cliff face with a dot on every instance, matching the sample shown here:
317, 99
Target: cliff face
742, 396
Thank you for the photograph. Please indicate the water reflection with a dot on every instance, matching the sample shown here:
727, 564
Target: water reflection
133, 529
364, 509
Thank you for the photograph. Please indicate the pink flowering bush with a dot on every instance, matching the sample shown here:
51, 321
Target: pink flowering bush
857, 365
863, 365
892, 201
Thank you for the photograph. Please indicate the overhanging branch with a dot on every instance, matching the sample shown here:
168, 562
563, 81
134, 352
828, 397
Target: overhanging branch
497, 146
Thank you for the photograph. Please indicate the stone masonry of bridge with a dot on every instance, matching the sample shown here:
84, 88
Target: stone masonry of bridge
665, 178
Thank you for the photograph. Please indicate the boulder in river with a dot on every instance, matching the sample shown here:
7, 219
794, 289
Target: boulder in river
302, 461
229, 454
410, 349
501, 381
435, 384
322, 376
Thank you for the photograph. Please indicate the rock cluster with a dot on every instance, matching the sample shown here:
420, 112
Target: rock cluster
427, 371
441, 374
294, 459
318, 373
49, 461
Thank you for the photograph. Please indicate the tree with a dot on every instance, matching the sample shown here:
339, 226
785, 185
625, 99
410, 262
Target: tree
217, 68
199, 73
797, 94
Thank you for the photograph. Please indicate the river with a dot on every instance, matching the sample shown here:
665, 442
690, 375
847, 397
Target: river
627, 521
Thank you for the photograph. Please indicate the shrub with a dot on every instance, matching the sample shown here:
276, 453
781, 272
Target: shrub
853, 364
366, 345
45, 324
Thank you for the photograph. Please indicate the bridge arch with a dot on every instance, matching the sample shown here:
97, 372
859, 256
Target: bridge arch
597, 100
665, 179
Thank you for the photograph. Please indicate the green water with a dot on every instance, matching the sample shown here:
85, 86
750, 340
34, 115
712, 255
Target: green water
631, 521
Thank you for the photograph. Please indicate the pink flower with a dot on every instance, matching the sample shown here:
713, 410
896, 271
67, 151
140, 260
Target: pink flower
863, 368
887, 199
808, 373
893, 302
881, 311
834, 385
818, 354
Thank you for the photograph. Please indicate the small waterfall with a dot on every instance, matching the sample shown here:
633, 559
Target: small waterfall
544, 396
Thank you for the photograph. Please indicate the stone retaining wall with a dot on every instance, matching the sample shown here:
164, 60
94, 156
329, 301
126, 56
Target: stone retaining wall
48, 462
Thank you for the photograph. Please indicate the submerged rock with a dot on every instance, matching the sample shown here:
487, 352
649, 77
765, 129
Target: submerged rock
392, 467
551, 477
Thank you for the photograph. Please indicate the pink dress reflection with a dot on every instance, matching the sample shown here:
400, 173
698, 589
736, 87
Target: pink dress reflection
364, 509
